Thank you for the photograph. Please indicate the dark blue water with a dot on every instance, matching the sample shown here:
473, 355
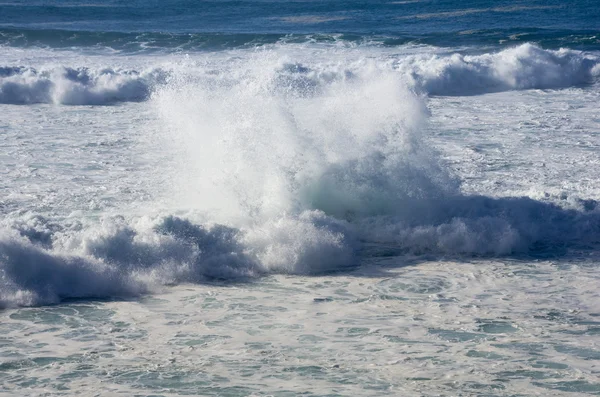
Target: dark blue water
214, 24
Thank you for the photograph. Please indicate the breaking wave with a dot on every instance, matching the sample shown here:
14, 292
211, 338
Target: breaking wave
117, 260
524, 67
81, 86
293, 168
41, 264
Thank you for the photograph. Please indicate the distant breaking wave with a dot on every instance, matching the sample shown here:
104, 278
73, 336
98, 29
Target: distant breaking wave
82, 86
523, 67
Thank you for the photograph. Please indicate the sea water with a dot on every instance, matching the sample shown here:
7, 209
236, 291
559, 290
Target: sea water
321, 198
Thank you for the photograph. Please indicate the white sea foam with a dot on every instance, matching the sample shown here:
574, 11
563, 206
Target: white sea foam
46, 264
296, 169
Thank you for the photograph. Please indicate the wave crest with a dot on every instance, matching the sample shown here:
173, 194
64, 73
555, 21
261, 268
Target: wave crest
117, 260
524, 67
81, 86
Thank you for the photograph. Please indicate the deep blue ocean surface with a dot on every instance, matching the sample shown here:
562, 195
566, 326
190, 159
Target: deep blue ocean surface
186, 24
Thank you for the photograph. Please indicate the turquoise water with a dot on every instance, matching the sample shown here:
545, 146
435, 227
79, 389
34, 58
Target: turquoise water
330, 336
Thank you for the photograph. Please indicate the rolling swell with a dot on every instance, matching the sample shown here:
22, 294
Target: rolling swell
152, 42
139, 42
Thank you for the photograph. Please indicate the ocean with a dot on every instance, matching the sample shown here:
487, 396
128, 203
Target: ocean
283, 198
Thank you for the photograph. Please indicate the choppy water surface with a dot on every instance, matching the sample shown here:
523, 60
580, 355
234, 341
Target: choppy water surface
430, 328
336, 199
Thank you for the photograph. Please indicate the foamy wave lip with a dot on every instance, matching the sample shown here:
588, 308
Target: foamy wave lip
114, 260
311, 243
32, 275
524, 67
42, 264
82, 86
480, 225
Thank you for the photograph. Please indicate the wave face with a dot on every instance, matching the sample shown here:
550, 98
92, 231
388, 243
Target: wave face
519, 68
282, 167
42, 263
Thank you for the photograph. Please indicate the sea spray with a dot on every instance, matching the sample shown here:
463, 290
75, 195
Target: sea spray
263, 138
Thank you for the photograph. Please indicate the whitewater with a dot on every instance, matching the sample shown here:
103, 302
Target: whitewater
285, 214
